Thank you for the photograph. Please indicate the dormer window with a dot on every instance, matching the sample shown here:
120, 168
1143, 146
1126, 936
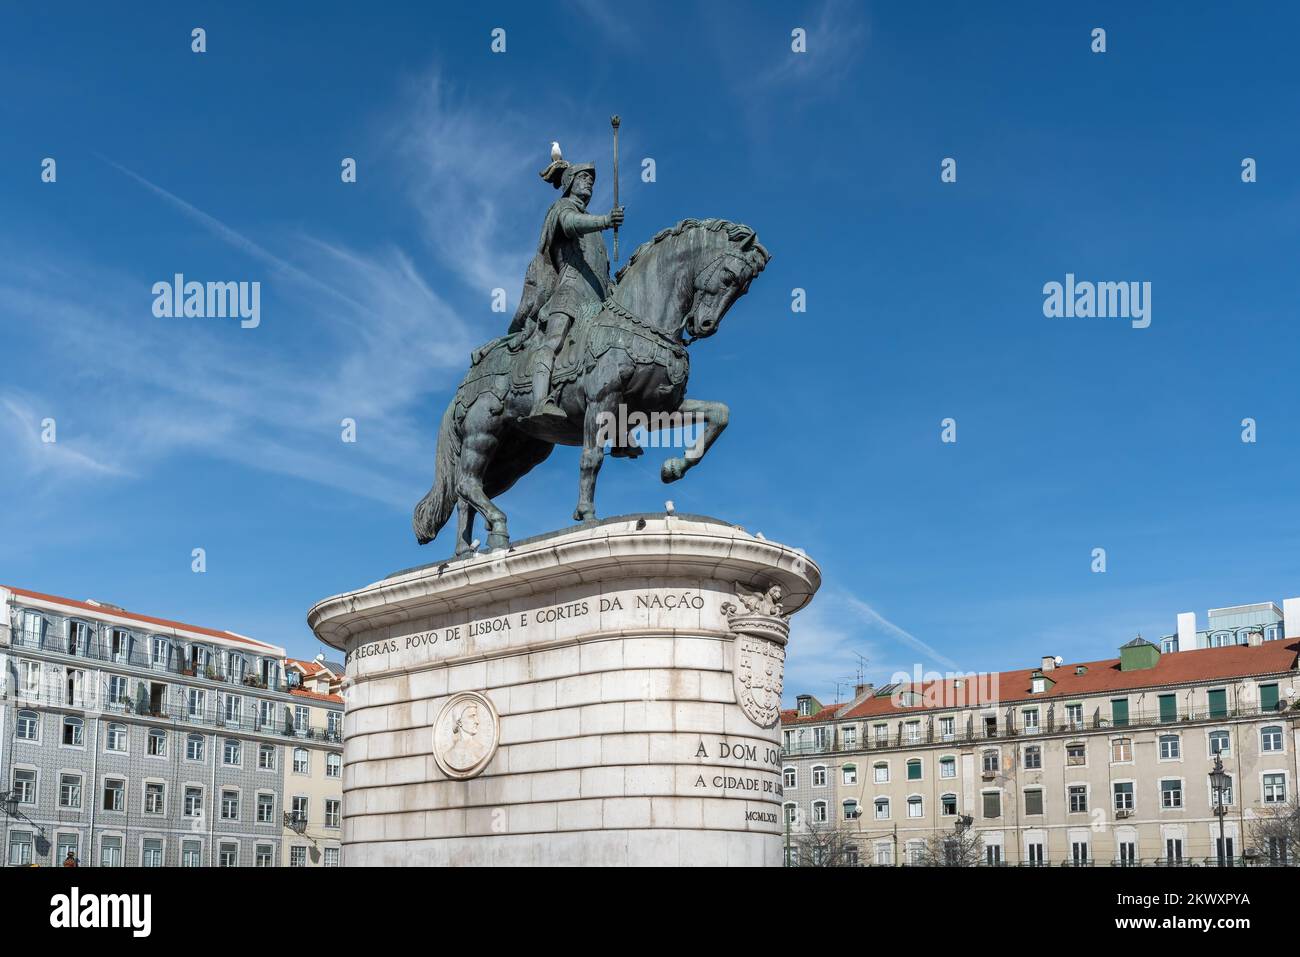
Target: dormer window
78, 637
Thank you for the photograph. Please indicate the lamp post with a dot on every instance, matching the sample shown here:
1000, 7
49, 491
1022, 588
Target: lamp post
1219, 781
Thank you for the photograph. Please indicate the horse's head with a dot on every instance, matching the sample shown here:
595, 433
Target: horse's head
688, 276
724, 279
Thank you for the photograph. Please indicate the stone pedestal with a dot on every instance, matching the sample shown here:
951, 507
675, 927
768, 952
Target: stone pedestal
605, 695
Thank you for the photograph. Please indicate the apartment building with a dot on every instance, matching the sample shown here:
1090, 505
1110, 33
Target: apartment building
1075, 764
128, 739
313, 775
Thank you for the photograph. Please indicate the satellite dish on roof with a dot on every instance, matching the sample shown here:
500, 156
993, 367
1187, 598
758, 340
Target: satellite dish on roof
1059, 661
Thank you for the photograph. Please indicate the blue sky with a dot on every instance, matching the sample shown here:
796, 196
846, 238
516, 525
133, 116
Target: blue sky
924, 299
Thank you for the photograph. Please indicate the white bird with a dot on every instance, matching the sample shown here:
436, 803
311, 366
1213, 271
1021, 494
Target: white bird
668, 506
555, 151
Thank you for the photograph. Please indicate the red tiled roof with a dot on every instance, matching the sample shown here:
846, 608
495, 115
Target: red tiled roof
304, 693
825, 714
309, 668
1100, 677
133, 616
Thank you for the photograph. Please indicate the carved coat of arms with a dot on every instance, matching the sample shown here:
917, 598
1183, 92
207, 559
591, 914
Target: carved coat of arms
758, 672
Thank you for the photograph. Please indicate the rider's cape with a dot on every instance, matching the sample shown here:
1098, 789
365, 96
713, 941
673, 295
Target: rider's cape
540, 279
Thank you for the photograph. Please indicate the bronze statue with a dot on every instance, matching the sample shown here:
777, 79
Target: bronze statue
579, 350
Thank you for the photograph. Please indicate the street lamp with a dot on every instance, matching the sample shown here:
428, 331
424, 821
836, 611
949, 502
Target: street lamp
1219, 781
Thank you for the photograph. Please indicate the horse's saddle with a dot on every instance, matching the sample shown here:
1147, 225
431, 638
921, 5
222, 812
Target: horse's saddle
592, 334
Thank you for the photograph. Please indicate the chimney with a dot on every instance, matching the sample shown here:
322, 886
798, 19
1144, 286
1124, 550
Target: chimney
1049, 663
862, 690
1291, 617
1186, 630
1254, 638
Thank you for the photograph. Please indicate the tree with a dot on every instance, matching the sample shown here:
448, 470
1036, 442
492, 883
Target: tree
825, 845
1275, 833
960, 847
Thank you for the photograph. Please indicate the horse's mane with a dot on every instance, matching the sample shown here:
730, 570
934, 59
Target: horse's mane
736, 232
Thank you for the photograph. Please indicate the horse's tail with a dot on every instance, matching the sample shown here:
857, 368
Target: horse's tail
435, 508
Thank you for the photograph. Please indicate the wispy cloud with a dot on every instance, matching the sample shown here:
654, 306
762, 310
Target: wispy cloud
352, 332
836, 35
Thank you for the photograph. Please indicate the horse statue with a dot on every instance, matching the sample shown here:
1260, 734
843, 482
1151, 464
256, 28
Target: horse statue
627, 355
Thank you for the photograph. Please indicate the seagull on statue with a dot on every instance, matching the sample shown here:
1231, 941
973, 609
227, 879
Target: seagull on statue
555, 150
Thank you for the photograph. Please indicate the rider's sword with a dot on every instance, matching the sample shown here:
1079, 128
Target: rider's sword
614, 121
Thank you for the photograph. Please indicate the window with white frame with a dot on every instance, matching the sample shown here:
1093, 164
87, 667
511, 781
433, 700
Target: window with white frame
300, 807
262, 856
73, 730
915, 806
151, 852
1121, 750
70, 791
848, 734
232, 752
882, 809
266, 757
850, 810
1030, 720
333, 766
1274, 788
24, 786
880, 772
228, 855
302, 761
28, 727
1077, 797
1171, 793
229, 804
117, 693
331, 857
298, 856
1270, 738
333, 812
789, 778
157, 743
1123, 795
819, 812
115, 737
191, 854
194, 747
946, 728
155, 795
849, 774
1074, 715
948, 804
20, 848
819, 776
193, 800
195, 702
265, 808
110, 851
301, 719
114, 794
30, 679
947, 767
1220, 742
1171, 747
991, 761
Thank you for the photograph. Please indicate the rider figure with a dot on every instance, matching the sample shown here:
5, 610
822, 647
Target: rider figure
572, 249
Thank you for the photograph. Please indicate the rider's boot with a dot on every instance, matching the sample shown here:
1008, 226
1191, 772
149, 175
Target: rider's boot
543, 407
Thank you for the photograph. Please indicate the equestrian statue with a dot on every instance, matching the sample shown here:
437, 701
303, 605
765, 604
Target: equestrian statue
580, 350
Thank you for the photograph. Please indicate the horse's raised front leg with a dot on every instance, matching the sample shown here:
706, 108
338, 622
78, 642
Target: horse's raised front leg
714, 416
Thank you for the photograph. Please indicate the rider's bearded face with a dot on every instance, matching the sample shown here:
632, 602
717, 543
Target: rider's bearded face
582, 186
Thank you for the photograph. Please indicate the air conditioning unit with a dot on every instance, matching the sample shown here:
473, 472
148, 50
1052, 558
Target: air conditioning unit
1120, 815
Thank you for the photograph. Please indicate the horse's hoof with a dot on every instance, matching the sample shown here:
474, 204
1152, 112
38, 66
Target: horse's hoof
672, 470
584, 515
497, 540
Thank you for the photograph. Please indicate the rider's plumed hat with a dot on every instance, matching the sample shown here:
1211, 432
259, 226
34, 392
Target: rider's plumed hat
560, 172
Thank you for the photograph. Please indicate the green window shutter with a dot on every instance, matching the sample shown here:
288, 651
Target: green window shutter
1168, 708
1119, 712
1268, 697
1218, 703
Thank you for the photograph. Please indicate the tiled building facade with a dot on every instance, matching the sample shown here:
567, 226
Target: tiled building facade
132, 740
1094, 763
